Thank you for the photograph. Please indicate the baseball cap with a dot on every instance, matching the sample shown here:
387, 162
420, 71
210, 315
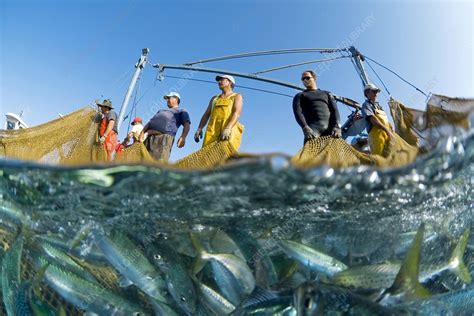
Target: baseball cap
172, 94
136, 120
231, 79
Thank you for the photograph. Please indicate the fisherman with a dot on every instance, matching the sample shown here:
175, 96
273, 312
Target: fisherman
315, 110
223, 113
162, 128
134, 134
379, 129
108, 128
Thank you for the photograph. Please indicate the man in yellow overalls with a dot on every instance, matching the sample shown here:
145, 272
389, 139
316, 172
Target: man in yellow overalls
223, 114
379, 129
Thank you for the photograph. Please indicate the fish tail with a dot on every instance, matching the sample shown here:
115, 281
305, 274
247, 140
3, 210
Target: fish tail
200, 262
456, 261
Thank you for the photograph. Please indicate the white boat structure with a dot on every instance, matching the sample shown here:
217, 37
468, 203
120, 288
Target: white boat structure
14, 122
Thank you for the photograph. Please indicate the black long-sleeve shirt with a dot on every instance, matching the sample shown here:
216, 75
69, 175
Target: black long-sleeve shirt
316, 109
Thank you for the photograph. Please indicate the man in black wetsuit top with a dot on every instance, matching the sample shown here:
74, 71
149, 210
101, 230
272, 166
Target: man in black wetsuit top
315, 110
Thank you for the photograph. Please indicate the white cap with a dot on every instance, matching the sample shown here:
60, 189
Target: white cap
172, 94
371, 86
231, 79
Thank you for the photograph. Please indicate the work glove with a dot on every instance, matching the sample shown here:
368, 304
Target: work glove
198, 135
102, 139
309, 133
226, 134
336, 132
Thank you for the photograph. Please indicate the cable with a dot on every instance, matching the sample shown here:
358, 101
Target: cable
298, 64
268, 52
383, 84
242, 87
400, 77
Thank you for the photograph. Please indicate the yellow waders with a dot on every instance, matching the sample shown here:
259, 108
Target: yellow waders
378, 138
220, 114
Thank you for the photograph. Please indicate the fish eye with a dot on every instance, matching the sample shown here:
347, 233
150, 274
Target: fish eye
156, 256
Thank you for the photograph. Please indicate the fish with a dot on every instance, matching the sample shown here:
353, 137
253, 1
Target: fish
265, 302
233, 264
177, 278
62, 259
381, 276
311, 258
27, 303
85, 295
459, 302
130, 261
11, 213
11, 266
213, 300
406, 286
92, 256
315, 298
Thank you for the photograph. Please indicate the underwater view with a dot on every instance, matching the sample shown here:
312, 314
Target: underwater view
257, 237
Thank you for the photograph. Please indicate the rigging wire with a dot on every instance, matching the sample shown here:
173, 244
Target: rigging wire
134, 107
400, 77
243, 87
268, 52
380, 79
298, 64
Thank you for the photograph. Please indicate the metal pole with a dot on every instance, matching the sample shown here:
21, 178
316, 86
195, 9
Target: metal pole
162, 67
139, 66
358, 59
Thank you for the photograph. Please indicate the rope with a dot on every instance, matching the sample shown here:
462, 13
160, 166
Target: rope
380, 79
242, 87
268, 52
298, 64
400, 77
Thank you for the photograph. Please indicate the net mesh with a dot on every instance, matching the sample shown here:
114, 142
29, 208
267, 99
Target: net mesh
105, 275
72, 140
443, 116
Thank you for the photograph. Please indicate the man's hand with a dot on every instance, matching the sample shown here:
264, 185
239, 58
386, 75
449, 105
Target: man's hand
226, 134
198, 135
102, 139
309, 133
389, 133
336, 132
181, 142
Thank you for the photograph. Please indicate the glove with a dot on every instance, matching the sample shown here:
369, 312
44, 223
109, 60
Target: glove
336, 132
226, 134
102, 139
309, 133
198, 135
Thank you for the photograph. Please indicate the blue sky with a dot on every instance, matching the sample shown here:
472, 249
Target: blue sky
57, 56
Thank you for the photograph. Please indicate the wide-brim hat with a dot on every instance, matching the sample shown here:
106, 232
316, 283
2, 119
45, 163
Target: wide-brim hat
106, 103
229, 77
172, 94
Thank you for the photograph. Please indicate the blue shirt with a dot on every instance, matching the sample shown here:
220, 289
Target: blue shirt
168, 121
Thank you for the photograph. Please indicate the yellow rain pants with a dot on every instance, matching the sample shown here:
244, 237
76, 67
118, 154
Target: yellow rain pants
378, 138
220, 115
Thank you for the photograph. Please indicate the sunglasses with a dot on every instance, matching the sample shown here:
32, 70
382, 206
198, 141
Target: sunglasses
305, 78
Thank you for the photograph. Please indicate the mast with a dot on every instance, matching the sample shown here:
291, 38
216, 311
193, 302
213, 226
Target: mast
139, 67
358, 60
